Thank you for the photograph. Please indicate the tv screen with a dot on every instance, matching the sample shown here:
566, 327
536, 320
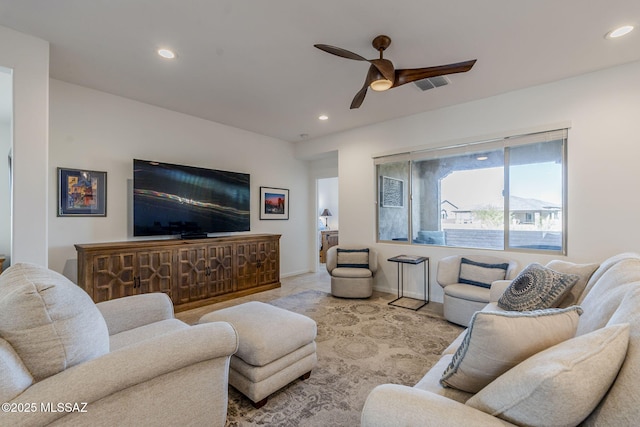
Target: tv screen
189, 201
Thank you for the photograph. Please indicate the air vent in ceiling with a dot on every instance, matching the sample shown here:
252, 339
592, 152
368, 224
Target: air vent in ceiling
432, 83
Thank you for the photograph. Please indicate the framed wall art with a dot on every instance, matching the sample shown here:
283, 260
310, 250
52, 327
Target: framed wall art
82, 192
274, 203
392, 194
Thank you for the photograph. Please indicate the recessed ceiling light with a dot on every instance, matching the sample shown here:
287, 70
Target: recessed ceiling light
323, 117
619, 32
481, 158
166, 53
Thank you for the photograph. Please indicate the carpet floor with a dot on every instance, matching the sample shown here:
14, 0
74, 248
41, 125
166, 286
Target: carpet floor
360, 344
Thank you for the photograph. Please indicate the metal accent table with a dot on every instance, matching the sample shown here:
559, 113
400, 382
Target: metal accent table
401, 260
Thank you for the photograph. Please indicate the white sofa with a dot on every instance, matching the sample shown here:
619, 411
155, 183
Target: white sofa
609, 301
125, 362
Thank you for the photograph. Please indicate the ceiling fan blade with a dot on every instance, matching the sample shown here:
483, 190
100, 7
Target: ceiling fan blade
385, 67
338, 51
357, 100
415, 74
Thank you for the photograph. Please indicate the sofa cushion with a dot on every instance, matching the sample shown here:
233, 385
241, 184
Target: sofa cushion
468, 292
536, 287
480, 273
51, 323
351, 273
353, 258
561, 385
14, 376
497, 341
584, 271
620, 405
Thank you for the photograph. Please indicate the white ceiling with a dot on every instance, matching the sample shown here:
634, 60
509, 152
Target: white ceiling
251, 63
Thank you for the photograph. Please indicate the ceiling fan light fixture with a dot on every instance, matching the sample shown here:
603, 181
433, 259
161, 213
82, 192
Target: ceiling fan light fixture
381, 84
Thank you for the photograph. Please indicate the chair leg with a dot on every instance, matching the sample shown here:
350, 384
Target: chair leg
261, 403
305, 376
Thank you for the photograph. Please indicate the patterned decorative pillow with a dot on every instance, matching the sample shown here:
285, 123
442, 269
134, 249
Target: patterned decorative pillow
480, 273
353, 258
561, 385
535, 288
496, 341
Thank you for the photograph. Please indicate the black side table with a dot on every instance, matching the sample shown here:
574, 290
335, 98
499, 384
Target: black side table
401, 260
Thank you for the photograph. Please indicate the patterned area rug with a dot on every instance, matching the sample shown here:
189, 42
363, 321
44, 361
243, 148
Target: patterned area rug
360, 344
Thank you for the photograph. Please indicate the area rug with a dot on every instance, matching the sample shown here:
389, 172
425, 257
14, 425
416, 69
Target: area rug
360, 344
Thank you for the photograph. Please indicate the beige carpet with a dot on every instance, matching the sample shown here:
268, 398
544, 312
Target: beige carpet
361, 344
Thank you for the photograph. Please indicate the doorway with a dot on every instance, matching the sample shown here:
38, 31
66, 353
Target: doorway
6, 132
328, 216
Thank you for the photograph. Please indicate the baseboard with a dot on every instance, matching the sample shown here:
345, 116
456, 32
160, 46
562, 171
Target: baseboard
295, 273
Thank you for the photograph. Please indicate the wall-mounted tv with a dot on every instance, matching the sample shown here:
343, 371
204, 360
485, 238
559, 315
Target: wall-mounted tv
188, 201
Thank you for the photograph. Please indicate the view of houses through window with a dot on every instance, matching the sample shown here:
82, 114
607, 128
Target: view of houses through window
500, 195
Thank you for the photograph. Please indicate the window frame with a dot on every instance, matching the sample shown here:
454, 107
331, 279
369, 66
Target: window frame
505, 143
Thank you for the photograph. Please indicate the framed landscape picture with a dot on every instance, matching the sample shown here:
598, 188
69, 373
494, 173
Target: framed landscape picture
82, 192
274, 203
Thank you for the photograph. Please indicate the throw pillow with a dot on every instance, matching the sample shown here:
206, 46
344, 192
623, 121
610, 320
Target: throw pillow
51, 323
353, 258
496, 341
480, 273
536, 287
561, 385
583, 270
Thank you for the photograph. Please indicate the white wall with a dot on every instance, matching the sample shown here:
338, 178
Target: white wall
29, 58
602, 109
97, 131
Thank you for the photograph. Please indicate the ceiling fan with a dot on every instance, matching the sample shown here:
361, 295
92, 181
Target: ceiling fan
383, 76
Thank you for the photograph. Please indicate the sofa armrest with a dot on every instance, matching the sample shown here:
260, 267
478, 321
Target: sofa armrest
497, 289
397, 405
147, 362
123, 314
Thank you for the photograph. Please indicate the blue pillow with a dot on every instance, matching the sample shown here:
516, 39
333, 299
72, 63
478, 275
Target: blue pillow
480, 273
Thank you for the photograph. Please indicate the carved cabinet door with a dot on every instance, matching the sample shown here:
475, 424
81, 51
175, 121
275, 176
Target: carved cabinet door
192, 274
246, 271
155, 271
220, 269
114, 275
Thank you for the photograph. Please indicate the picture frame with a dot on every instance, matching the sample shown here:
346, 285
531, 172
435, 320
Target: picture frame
274, 203
392, 192
82, 192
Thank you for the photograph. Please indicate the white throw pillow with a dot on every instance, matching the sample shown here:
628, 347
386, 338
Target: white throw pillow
353, 258
481, 274
561, 385
496, 341
584, 271
50, 322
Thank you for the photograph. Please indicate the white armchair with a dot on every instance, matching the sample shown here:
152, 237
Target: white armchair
461, 297
352, 270
124, 362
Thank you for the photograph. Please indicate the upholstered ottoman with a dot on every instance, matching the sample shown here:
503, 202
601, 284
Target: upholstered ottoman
275, 347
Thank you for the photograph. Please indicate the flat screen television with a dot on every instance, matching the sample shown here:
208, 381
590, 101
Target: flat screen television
188, 201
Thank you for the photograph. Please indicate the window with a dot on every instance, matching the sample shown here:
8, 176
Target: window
505, 194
